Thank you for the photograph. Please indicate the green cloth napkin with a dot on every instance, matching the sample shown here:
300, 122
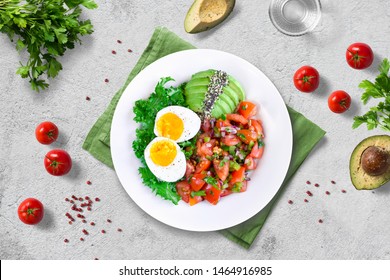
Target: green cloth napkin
163, 42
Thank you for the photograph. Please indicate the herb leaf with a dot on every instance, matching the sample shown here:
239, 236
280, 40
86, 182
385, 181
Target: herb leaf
378, 116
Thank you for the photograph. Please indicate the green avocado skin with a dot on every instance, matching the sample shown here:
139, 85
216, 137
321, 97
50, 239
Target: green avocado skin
196, 88
360, 179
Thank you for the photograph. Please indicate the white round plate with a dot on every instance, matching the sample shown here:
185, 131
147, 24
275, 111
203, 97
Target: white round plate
265, 180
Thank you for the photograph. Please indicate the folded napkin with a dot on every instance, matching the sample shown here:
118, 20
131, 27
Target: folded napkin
163, 42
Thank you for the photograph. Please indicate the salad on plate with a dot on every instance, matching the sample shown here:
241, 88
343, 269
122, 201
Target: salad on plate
198, 141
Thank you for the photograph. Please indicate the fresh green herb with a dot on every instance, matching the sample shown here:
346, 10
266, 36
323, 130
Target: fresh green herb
234, 166
378, 116
244, 107
260, 143
206, 139
46, 29
222, 162
211, 181
145, 113
198, 193
232, 150
223, 117
250, 145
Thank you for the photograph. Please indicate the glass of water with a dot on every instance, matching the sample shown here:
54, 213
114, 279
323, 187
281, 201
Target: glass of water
295, 17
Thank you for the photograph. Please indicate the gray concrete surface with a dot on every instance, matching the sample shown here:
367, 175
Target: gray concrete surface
356, 224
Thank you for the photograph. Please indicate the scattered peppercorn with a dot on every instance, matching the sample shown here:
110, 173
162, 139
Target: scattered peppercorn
328, 193
290, 202
309, 193
113, 52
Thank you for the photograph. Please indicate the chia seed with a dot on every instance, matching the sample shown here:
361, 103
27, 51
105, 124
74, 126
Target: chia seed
218, 81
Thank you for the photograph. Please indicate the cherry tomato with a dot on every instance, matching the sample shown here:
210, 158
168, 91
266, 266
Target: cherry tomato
237, 118
31, 211
339, 101
247, 109
306, 79
230, 140
247, 135
213, 194
197, 181
205, 149
359, 56
46, 133
238, 175
183, 188
58, 162
257, 152
221, 168
203, 165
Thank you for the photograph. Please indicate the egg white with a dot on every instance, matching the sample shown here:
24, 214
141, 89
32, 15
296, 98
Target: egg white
190, 119
172, 172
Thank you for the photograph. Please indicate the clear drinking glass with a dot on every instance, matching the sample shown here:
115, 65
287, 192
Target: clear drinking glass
295, 17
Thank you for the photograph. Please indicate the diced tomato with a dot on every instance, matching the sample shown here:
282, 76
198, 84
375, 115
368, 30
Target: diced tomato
247, 135
247, 109
205, 149
190, 168
257, 127
222, 123
197, 181
250, 163
226, 192
237, 118
238, 175
194, 200
206, 125
184, 190
221, 168
203, 165
257, 152
230, 140
213, 194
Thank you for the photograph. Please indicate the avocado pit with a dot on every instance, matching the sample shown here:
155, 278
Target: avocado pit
375, 161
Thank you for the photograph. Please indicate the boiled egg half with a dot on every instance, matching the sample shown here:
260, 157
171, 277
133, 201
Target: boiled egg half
165, 159
176, 123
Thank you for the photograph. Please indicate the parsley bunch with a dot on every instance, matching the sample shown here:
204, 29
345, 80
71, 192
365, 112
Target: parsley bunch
145, 111
378, 116
46, 28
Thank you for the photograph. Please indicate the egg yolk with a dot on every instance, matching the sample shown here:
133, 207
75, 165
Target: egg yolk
170, 126
163, 152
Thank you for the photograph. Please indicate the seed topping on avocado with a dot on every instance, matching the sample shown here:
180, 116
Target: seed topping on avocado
218, 81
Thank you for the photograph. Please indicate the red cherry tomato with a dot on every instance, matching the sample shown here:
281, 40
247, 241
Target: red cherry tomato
230, 140
339, 101
197, 181
359, 56
247, 135
306, 79
46, 133
203, 165
236, 118
238, 175
58, 162
31, 211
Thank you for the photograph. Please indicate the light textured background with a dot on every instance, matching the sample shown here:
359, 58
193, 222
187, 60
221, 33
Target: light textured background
356, 224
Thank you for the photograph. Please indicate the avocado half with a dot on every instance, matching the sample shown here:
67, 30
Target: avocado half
195, 92
362, 158
205, 14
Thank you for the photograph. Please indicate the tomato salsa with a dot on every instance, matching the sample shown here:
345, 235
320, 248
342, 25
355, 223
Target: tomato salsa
226, 150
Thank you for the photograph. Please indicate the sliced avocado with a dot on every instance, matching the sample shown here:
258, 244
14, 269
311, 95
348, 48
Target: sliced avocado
203, 74
370, 163
232, 95
194, 90
236, 86
195, 82
205, 14
220, 108
226, 99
